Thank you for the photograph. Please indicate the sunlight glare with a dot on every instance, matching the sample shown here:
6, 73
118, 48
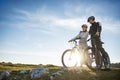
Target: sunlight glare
76, 58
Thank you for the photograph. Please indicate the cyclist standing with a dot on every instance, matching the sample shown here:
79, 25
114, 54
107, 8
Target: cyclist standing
82, 36
95, 33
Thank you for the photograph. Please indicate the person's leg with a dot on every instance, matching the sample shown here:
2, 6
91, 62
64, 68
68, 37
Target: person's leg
103, 52
93, 46
82, 57
95, 50
88, 60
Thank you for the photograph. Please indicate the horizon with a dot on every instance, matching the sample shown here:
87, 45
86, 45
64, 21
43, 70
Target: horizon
37, 31
42, 64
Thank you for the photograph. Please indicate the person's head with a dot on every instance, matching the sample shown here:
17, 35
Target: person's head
91, 19
84, 27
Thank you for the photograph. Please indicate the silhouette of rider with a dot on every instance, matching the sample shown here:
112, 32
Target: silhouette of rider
95, 33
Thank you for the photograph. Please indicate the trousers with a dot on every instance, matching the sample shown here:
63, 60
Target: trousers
97, 49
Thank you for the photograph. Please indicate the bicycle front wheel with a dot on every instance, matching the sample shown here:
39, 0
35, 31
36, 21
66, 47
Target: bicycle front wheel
70, 58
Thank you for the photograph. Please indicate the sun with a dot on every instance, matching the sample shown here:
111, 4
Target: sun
74, 58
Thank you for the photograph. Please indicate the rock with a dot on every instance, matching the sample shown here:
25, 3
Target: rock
63, 69
58, 73
38, 72
14, 78
4, 75
23, 72
76, 69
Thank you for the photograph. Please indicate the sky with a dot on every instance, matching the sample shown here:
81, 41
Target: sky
37, 31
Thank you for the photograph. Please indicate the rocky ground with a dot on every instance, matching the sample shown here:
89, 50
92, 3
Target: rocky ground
50, 72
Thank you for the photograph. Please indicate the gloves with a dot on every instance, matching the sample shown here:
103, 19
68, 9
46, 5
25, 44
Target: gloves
70, 40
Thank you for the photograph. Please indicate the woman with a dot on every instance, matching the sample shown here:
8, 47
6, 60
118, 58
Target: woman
82, 36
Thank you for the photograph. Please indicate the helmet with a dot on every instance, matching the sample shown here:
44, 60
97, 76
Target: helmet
91, 17
84, 25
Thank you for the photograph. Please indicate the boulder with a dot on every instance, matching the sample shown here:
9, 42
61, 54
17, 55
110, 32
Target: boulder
23, 72
38, 72
53, 75
58, 73
4, 75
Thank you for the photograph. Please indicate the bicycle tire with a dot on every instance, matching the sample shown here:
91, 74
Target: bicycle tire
62, 58
100, 62
108, 62
71, 50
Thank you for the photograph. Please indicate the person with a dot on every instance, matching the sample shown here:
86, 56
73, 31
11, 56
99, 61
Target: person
95, 33
82, 36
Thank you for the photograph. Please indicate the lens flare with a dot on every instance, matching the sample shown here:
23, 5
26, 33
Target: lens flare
73, 58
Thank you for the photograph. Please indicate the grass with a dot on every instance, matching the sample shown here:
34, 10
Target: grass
86, 74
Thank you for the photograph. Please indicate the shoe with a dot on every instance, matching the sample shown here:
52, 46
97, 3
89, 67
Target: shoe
97, 68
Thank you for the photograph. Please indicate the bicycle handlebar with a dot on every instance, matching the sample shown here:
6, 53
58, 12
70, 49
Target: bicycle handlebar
76, 41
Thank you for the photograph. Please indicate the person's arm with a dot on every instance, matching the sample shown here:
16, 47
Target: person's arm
77, 37
90, 31
99, 27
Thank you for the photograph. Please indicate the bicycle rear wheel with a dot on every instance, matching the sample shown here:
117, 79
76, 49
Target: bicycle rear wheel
91, 63
106, 62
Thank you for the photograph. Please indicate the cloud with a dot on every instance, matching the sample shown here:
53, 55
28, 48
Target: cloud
71, 17
38, 20
109, 24
74, 17
107, 20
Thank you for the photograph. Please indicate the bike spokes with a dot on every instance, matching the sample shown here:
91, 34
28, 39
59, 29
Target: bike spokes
71, 58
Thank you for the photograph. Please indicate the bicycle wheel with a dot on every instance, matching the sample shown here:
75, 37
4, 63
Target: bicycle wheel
91, 63
70, 58
106, 62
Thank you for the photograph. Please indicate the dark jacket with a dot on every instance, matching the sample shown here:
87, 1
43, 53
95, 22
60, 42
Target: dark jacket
95, 27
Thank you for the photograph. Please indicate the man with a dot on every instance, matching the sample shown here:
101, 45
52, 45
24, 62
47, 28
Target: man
82, 36
95, 33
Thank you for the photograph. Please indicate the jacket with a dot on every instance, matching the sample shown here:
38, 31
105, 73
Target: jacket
95, 27
83, 39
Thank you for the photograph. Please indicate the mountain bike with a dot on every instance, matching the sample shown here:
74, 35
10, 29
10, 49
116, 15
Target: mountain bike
76, 56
